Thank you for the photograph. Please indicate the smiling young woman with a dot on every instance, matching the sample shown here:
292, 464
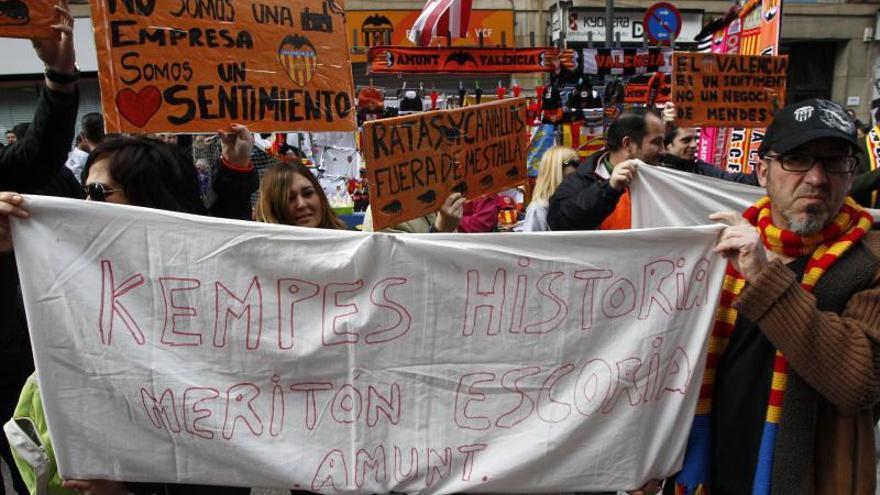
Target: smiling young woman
291, 195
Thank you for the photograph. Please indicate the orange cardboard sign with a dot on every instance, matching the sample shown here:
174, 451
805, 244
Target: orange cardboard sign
638, 89
390, 27
27, 19
415, 162
189, 67
716, 90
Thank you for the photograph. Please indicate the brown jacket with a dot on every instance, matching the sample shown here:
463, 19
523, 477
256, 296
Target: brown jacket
838, 356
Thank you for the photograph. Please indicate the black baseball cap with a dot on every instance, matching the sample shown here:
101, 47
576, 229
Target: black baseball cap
806, 121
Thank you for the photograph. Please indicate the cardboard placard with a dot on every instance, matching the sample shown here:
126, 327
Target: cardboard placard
638, 90
27, 19
464, 60
188, 67
415, 162
716, 90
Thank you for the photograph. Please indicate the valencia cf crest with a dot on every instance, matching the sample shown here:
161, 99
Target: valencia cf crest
299, 59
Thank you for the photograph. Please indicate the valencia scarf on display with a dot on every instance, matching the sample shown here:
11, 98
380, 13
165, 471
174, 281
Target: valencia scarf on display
824, 248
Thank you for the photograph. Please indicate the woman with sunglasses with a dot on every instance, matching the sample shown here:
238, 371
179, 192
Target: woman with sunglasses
556, 163
146, 172
291, 195
153, 174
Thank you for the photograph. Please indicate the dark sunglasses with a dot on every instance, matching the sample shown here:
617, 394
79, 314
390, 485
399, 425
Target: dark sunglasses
571, 163
97, 191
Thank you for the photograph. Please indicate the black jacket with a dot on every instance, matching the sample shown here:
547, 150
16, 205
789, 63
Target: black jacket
700, 167
32, 165
583, 200
37, 158
863, 185
234, 187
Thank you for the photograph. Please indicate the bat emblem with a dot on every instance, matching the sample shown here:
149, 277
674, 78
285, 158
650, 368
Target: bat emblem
461, 57
393, 208
428, 197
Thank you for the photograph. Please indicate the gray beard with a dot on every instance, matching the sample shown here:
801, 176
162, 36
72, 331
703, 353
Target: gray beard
809, 225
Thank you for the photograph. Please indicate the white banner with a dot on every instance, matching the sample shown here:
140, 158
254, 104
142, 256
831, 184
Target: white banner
187, 349
663, 197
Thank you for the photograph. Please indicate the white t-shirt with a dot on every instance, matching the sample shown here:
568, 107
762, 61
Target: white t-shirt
536, 218
76, 161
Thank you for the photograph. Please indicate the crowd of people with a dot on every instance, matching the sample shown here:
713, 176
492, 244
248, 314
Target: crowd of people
803, 291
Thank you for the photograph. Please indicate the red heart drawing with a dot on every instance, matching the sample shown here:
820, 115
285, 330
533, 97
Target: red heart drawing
139, 108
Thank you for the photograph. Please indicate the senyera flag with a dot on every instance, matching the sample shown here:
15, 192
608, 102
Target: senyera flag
441, 18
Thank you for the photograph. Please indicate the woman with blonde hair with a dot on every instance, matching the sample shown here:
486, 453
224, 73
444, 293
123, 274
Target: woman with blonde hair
556, 163
291, 195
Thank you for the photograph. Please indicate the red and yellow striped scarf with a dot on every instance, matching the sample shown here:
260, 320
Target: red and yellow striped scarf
824, 248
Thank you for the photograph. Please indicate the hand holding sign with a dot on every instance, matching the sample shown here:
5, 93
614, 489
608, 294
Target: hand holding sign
741, 244
669, 112
10, 205
450, 213
58, 53
237, 144
623, 174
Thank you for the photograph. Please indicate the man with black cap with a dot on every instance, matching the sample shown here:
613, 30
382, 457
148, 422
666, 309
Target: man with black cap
793, 373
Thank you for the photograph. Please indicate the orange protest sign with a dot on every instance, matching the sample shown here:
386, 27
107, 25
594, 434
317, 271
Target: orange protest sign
196, 66
415, 162
27, 19
716, 90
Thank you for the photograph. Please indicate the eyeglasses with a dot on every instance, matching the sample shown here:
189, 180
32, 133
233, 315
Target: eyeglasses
834, 164
98, 191
571, 163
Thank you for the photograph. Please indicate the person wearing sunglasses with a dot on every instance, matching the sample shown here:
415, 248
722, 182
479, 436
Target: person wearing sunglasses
149, 173
556, 163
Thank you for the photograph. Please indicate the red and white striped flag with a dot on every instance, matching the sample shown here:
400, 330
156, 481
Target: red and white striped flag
440, 17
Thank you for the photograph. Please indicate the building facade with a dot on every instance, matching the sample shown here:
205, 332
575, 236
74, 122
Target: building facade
832, 44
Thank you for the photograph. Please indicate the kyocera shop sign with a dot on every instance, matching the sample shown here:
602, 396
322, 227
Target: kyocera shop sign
628, 22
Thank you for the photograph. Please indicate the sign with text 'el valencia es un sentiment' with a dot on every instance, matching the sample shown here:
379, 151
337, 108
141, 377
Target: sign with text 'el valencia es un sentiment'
27, 19
189, 67
716, 90
415, 162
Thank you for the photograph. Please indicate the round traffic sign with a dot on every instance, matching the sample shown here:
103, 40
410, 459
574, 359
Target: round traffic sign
662, 23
